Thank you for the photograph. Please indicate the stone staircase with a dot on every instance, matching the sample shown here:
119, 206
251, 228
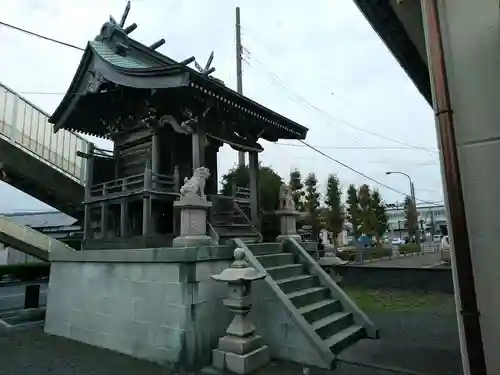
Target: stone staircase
229, 221
327, 317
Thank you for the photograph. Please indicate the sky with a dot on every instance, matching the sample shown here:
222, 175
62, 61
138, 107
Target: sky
320, 64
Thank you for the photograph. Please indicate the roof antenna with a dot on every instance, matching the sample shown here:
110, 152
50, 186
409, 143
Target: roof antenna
125, 14
207, 70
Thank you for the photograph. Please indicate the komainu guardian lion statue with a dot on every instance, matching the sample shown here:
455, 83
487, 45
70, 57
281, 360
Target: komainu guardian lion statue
196, 184
286, 200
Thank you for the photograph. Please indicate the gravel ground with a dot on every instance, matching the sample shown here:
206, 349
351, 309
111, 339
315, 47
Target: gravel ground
423, 341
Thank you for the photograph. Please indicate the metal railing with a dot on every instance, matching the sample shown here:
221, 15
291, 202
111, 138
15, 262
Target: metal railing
26, 126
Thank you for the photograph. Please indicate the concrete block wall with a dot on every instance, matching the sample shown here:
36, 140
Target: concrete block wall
170, 313
272, 321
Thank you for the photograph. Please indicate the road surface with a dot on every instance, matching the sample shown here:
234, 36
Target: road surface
12, 297
426, 260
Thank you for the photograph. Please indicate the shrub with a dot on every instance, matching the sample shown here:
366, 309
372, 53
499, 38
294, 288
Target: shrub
409, 248
377, 252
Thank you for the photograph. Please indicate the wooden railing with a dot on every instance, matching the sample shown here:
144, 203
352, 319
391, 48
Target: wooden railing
147, 181
241, 194
118, 186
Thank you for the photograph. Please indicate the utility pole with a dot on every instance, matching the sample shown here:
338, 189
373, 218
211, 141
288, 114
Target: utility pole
412, 192
239, 73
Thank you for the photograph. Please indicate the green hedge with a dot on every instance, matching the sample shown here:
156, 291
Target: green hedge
25, 272
409, 248
352, 254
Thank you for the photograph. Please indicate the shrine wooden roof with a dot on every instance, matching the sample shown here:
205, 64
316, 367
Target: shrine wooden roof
114, 60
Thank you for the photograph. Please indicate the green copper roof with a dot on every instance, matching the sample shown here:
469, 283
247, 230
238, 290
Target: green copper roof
114, 58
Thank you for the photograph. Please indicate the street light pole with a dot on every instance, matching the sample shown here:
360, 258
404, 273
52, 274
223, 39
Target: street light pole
412, 196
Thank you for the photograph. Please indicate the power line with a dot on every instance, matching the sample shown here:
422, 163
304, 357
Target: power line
41, 36
351, 147
40, 93
279, 80
324, 113
358, 172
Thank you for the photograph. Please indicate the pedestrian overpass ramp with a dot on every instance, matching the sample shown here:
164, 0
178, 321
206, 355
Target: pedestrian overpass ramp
28, 240
36, 160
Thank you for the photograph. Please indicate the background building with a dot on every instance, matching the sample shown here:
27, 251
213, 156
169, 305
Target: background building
52, 223
432, 220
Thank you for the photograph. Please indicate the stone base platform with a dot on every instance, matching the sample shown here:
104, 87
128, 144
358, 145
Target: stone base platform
161, 305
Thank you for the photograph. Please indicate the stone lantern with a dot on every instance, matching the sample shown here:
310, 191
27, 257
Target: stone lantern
241, 350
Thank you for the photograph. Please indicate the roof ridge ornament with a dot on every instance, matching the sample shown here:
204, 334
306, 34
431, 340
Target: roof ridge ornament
115, 35
207, 70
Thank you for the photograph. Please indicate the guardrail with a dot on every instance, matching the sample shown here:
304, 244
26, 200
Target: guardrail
29, 240
26, 126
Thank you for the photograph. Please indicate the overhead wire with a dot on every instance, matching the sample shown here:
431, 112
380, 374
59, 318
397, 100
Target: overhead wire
348, 166
347, 123
277, 79
358, 172
40, 36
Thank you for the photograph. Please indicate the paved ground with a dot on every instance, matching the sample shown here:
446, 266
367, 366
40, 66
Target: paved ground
418, 261
418, 336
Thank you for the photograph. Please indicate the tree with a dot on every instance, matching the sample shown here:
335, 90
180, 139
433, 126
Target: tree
367, 214
411, 216
311, 203
296, 187
353, 214
381, 218
335, 214
269, 189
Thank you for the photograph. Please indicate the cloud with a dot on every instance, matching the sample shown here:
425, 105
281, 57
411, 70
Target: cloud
312, 49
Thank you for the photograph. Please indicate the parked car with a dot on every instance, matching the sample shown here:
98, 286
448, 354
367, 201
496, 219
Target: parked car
445, 250
436, 238
397, 241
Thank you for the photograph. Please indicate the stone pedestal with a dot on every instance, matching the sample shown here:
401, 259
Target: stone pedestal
193, 221
241, 351
288, 223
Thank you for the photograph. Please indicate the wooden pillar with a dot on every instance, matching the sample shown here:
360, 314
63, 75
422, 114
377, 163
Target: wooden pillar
155, 169
211, 164
253, 169
104, 212
198, 141
146, 203
155, 153
116, 157
89, 176
124, 213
